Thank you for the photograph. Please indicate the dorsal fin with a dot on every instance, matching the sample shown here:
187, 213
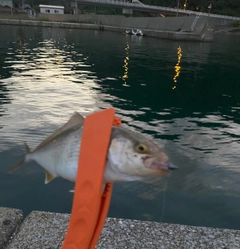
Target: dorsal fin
75, 122
27, 148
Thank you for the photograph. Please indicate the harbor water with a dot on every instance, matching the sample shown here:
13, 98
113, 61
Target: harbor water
184, 96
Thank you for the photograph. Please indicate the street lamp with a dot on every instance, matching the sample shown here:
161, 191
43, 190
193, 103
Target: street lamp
185, 4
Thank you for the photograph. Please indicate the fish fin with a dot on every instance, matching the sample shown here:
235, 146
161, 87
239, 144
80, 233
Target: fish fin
75, 122
48, 177
19, 164
27, 148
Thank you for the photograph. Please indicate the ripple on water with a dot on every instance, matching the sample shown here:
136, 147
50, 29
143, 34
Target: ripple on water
49, 73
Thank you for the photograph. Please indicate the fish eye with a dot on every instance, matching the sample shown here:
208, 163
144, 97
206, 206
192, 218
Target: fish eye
141, 148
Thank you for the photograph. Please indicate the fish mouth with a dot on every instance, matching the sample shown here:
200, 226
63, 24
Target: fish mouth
152, 163
163, 166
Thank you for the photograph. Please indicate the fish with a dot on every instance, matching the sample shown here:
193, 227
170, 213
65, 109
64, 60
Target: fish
130, 156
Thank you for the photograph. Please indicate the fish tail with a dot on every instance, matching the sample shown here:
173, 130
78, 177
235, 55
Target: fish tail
19, 164
27, 148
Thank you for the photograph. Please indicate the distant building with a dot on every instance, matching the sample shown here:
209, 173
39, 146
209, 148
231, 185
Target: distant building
6, 7
27, 8
6, 3
51, 9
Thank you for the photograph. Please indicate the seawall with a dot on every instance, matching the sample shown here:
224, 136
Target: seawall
45, 230
155, 23
179, 28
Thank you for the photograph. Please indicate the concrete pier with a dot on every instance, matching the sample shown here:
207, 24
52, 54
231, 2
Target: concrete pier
10, 220
46, 230
165, 28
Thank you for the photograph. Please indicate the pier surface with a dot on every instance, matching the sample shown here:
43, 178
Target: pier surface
46, 230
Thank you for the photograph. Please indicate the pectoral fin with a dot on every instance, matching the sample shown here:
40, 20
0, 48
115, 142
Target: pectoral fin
48, 177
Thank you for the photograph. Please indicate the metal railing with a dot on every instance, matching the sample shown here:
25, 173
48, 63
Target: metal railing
195, 21
141, 6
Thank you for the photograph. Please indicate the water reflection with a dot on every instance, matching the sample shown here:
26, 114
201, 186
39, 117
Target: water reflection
4, 98
197, 124
21, 46
41, 77
177, 67
125, 65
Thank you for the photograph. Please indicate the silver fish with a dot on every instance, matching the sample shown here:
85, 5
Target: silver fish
131, 157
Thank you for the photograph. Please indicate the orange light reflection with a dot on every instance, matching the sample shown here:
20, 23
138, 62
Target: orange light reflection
177, 67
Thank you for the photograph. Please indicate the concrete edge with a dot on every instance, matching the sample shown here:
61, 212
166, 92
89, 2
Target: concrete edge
46, 230
10, 221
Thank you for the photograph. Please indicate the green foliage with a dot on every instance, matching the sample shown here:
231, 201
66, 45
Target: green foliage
236, 24
224, 7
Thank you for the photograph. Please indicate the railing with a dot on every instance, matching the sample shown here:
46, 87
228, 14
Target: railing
142, 6
195, 21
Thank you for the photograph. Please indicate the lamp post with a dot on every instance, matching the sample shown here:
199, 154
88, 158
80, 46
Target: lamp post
185, 5
178, 6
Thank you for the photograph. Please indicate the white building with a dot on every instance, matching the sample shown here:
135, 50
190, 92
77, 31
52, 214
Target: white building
51, 9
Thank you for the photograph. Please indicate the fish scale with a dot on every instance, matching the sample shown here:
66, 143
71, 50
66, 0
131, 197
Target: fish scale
61, 157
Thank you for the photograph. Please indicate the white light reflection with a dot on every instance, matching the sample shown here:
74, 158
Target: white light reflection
43, 90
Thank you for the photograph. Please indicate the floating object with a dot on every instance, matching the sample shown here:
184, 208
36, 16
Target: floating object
137, 32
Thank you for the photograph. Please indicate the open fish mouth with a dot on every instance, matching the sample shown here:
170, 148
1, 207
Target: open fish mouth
166, 166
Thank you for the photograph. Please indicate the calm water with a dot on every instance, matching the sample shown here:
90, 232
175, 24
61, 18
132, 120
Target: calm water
46, 74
